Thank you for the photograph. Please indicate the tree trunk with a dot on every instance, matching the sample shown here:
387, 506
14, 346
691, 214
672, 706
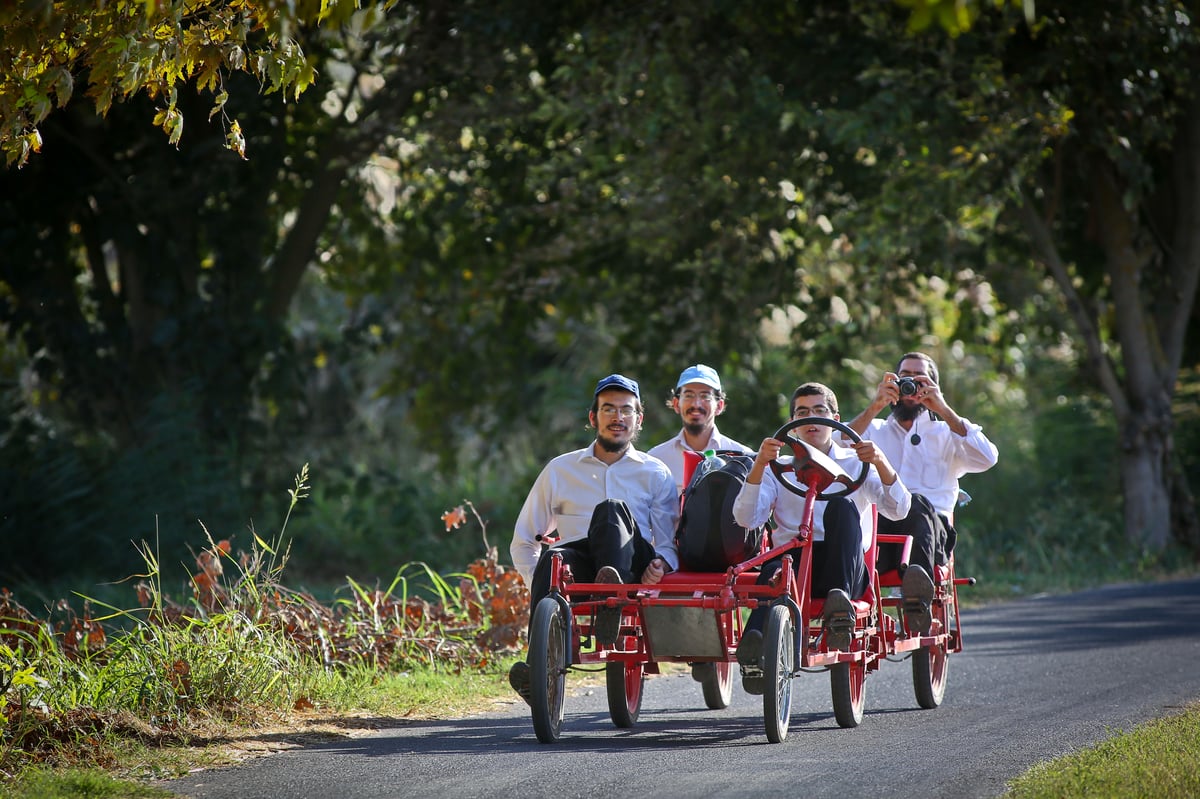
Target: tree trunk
1146, 487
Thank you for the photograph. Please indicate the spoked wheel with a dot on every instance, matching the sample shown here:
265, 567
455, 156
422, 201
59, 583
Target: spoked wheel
779, 661
625, 682
932, 663
547, 669
849, 683
718, 685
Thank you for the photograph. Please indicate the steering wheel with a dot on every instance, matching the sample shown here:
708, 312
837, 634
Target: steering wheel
813, 467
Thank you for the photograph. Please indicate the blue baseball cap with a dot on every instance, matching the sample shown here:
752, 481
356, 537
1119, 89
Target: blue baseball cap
618, 381
699, 374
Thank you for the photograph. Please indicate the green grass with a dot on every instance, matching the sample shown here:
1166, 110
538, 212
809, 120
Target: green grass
77, 784
1160, 759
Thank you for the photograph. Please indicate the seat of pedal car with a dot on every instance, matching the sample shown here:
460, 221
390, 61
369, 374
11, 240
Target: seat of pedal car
715, 579
862, 606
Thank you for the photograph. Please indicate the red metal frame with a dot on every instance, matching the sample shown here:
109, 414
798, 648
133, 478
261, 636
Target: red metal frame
711, 602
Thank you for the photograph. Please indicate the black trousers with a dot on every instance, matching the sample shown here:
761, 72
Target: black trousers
613, 539
933, 537
837, 561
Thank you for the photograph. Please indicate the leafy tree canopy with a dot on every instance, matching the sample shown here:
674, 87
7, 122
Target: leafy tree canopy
110, 51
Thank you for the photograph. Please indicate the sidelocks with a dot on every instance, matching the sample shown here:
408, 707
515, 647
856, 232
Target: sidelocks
696, 616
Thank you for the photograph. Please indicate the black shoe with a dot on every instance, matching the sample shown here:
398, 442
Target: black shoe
749, 650
917, 588
608, 620
838, 620
754, 684
519, 679
703, 672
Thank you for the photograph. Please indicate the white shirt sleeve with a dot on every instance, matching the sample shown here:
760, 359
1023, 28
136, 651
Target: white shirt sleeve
536, 518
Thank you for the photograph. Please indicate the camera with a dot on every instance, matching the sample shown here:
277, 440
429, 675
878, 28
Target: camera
907, 386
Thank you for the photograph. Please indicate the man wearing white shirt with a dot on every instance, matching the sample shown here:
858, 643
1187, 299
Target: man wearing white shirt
931, 447
612, 508
841, 534
699, 400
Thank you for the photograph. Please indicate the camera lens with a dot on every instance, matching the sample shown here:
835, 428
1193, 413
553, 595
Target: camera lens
907, 386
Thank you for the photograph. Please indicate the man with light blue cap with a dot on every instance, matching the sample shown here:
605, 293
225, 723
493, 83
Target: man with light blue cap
699, 400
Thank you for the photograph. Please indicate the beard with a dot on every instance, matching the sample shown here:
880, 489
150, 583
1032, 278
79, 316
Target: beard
609, 445
695, 428
907, 412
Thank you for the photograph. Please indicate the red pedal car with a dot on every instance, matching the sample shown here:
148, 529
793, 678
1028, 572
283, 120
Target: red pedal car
697, 618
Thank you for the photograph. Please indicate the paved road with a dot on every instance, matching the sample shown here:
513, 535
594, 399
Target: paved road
1037, 678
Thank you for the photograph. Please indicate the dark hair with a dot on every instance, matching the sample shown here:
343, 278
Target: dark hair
814, 390
929, 364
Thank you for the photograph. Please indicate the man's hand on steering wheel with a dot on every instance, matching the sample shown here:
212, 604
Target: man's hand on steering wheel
804, 462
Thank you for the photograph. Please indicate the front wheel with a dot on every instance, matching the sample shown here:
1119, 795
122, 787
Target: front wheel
624, 682
779, 660
547, 669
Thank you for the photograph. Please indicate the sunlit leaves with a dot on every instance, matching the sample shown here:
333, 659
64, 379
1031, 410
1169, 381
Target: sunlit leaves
147, 46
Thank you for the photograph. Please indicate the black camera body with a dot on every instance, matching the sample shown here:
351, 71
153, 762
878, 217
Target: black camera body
908, 386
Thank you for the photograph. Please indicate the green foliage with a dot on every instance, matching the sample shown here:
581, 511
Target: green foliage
65, 496
117, 50
243, 643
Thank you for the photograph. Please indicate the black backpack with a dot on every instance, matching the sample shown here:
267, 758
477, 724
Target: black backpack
708, 539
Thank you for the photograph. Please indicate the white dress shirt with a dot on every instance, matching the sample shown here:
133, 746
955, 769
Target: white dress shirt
570, 487
671, 451
932, 467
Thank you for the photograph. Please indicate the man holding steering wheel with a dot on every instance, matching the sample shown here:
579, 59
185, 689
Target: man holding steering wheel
840, 533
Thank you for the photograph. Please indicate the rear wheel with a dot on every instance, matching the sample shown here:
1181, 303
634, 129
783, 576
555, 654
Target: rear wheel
624, 682
930, 665
717, 683
547, 669
849, 683
779, 661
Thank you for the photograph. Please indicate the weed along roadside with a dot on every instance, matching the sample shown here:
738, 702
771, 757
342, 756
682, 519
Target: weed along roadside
144, 692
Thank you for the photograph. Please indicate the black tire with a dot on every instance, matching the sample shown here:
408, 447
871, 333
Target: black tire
547, 669
930, 666
849, 684
718, 685
779, 662
625, 682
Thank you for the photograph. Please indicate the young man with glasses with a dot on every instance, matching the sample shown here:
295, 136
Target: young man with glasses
931, 447
699, 400
612, 508
840, 532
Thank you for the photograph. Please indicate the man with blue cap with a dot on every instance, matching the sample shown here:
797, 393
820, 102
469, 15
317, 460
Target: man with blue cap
612, 508
699, 400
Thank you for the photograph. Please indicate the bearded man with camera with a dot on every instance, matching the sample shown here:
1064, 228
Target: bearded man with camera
931, 447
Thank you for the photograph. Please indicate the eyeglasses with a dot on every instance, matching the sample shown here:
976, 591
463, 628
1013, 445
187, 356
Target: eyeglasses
625, 411
816, 410
693, 396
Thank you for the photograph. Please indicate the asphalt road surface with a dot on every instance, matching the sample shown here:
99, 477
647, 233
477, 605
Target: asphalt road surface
1037, 678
